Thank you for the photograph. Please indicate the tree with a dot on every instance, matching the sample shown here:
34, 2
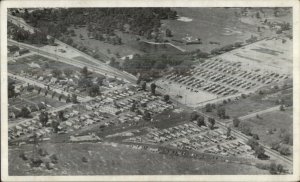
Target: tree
61, 115
153, 87
25, 113
94, 90
85, 71
257, 15
208, 107
259, 151
43, 117
281, 108
138, 81
245, 128
255, 136
51, 41
68, 72
221, 112
286, 137
279, 168
11, 89
194, 116
168, 33
166, 98
236, 122
228, 133
211, 122
68, 100
201, 121
284, 150
275, 145
56, 73
133, 107
273, 168
55, 125
252, 143
147, 116
258, 29
144, 85
74, 98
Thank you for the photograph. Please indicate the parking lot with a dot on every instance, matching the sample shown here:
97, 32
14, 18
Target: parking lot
224, 76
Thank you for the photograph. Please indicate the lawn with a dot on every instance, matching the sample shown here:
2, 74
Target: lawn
119, 160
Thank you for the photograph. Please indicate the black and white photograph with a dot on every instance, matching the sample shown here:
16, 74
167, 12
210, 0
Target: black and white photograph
149, 90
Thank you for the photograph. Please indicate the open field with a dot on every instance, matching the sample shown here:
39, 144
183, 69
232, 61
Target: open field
269, 55
102, 48
110, 160
37, 61
279, 120
219, 25
129, 46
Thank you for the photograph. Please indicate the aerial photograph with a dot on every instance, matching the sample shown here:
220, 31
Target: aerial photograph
150, 91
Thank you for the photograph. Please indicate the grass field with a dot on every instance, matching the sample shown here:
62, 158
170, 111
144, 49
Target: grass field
23, 64
101, 47
219, 25
281, 120
130, 45
244, 106
119, 160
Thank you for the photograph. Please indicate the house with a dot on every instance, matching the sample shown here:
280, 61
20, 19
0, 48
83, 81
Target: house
53, 80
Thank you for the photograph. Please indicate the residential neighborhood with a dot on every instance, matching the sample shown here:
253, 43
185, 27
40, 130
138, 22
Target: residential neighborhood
150, 91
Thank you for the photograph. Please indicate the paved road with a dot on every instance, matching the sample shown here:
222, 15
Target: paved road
158, 43
251, 115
